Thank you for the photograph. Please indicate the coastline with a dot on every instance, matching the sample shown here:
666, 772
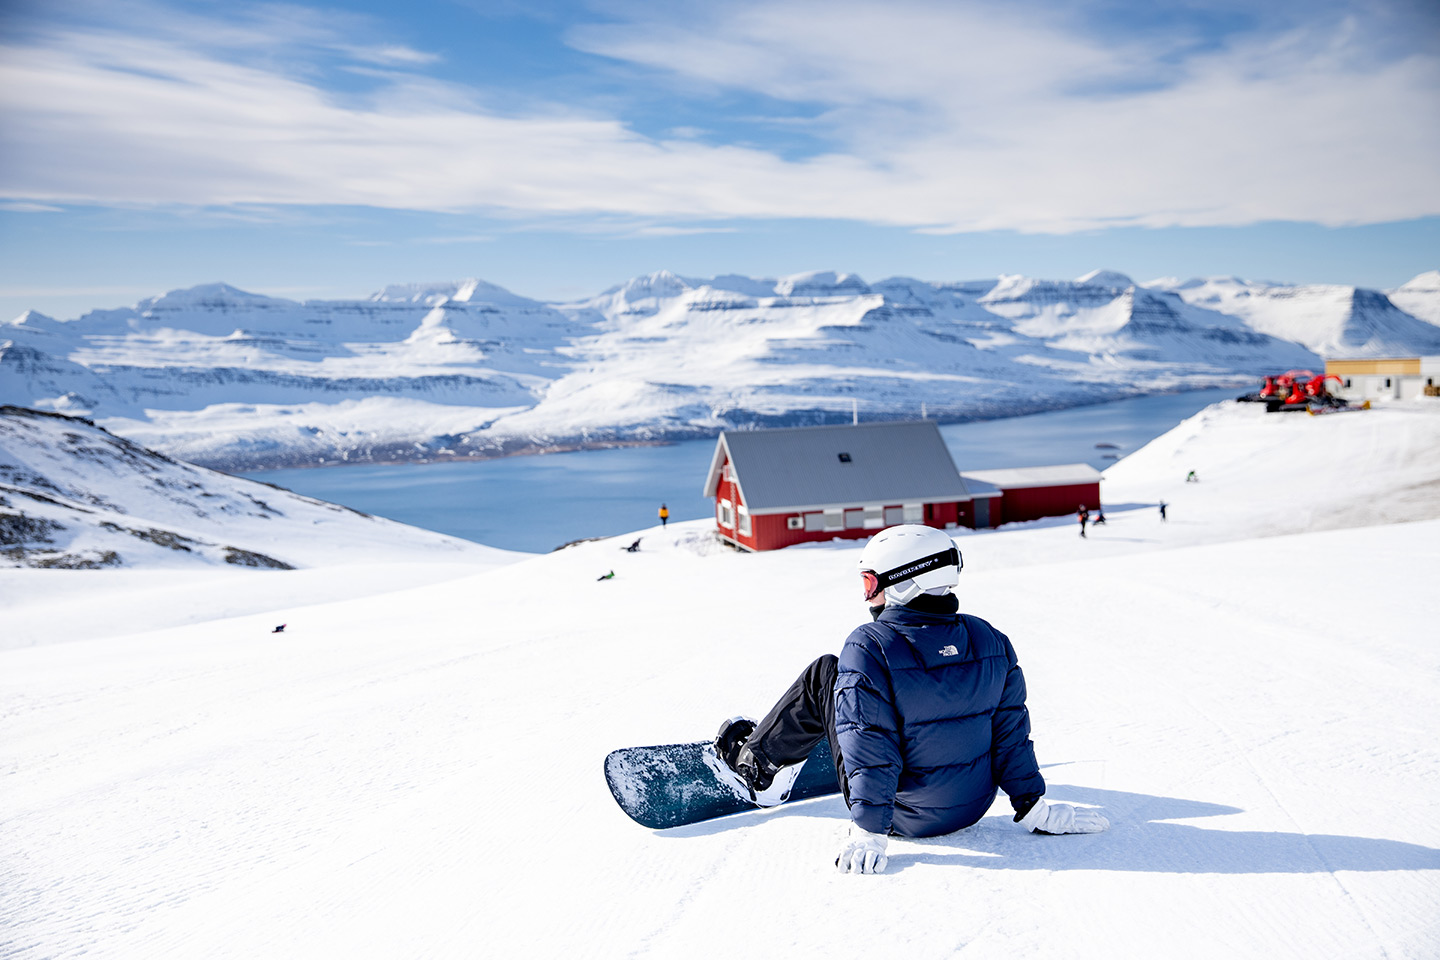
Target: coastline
413, 451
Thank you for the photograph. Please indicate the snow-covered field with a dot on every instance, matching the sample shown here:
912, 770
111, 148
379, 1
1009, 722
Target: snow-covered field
1248, 689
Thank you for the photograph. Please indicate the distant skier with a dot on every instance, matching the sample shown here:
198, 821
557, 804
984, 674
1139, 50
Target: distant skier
634, 547
924, 710
1083, 514
664, 514
279, 629
1099, 516
606, 576
1162, 509
1191, 478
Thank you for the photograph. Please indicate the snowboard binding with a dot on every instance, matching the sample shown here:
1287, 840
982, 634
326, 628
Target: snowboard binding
746, 770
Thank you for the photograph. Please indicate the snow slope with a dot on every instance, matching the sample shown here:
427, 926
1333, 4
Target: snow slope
239, 381
411, 774
75, 496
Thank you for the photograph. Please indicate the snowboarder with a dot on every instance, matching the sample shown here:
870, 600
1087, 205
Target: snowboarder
1191, 478
279, 629
1162, 509
664, 515
1083, 513
1099, 516
634, 547
924, 711
606, 576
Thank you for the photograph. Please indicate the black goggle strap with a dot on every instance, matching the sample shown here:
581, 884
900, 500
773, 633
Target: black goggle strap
946, 558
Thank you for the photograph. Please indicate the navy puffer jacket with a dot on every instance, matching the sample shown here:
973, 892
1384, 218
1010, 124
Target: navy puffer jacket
930, 716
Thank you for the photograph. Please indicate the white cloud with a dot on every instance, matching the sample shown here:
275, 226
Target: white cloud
942, 118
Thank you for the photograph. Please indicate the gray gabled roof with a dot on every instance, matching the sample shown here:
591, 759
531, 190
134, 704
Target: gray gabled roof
799, 468
1015, 478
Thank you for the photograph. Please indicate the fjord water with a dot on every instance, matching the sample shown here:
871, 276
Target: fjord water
537, 503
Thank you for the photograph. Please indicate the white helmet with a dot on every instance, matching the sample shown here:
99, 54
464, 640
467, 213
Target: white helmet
908, 560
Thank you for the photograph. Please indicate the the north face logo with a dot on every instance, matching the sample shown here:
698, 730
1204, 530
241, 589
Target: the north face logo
949, 651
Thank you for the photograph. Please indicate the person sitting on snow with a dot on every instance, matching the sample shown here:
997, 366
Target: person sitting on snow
924, 710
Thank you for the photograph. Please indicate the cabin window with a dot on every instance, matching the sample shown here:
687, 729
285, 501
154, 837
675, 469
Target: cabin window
894, 515
914, 513
874, 518
1387, 383
854, 519
726, 513
834, 519
743, 514
814, 522
1347, 383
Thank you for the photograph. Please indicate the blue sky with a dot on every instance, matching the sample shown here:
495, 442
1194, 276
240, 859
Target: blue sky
559, 148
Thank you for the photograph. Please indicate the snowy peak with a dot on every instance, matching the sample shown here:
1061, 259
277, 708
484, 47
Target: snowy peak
822, 283
1427, 282
1420, 297
1330, 320
461, 291
1110, 279
210, 297
32, 319
661, 285
744, 286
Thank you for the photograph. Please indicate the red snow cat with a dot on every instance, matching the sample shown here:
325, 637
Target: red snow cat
1296, 391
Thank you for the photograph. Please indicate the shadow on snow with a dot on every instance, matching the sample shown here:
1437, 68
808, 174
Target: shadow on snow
1141, 839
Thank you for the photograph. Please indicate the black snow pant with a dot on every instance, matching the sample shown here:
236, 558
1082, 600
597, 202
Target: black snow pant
802, 715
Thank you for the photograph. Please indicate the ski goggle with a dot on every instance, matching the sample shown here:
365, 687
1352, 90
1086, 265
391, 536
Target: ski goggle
875, 583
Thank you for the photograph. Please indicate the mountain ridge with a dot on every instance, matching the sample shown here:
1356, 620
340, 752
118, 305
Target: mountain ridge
465, 369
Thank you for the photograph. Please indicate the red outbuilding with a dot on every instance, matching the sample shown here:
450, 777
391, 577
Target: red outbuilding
1029, 493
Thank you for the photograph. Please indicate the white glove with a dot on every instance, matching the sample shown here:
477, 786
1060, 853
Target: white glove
1063, 818
862, 852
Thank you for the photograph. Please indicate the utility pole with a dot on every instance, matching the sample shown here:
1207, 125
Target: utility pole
854, 411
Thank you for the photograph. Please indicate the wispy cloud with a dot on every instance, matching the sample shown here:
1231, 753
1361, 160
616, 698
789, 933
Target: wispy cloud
673, 231
940, 117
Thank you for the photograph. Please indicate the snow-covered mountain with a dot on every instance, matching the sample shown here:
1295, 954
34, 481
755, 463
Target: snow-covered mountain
73, 496
1420, 296
1332, 321
452, 370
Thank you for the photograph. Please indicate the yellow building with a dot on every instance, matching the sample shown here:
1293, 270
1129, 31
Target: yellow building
1398, 378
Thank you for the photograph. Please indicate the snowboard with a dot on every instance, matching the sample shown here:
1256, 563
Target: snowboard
670, 785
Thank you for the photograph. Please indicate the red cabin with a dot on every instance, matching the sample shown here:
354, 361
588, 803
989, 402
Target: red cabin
774, 488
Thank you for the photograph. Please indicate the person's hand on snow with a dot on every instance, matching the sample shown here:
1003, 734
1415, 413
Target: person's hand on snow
1053, 818
862, 851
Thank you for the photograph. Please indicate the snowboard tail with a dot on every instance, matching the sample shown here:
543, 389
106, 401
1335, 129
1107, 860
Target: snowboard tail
670, 785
